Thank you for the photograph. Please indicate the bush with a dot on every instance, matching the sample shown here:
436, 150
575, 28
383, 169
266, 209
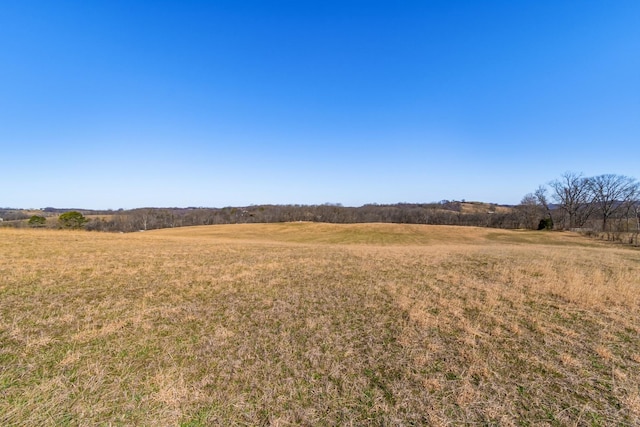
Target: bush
545, 224
72, 220
37, 221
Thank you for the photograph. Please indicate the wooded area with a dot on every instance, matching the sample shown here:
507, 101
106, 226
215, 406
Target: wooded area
603, 204
441, 213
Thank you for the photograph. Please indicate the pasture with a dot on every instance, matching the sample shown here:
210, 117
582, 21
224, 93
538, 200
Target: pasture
318, 324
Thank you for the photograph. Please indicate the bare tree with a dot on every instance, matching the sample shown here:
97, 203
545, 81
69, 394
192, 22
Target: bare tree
530, 211
635, 205
573, 194
611, 193
543, 200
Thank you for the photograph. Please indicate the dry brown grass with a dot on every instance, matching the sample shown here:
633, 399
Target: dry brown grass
481, 207
316, 324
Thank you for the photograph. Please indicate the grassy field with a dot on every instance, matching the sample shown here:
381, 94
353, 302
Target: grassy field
318, 324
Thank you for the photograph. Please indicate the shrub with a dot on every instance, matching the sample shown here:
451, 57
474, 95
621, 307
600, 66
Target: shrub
72, 219
37, 221
545, 224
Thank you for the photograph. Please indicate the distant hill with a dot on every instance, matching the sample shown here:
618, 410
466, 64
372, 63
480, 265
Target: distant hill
446, 212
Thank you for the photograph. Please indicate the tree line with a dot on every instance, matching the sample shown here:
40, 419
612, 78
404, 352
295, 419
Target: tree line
445, 212
608, 204
441, 213
601, 204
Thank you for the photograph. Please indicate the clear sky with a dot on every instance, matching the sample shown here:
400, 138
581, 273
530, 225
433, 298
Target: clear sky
124, 104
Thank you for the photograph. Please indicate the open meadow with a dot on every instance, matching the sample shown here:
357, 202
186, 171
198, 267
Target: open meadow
318, 324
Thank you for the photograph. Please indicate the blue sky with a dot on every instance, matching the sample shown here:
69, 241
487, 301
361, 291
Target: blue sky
124, 104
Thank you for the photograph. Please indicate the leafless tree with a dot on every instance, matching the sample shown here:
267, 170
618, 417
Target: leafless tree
635, 206
543, 200
530, 211
612, 193
573, 194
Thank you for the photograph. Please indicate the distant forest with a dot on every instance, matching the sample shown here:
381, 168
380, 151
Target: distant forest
445, 212
608, 204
